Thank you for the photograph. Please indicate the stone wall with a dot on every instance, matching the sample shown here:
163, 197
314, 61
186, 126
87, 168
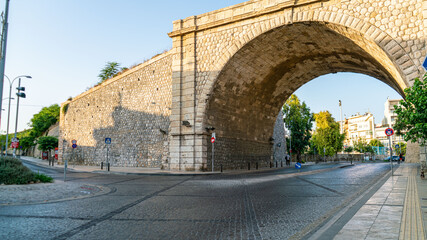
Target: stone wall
236, 66
132, 109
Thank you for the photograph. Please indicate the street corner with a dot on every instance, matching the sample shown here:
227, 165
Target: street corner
48, 193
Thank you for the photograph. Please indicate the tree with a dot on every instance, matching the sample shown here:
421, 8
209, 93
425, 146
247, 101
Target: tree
411, 119
362, 146
376, 143
43, 120
401, 149
348, 149
110, 70
47, 143
26, 142
299, 121
327, 135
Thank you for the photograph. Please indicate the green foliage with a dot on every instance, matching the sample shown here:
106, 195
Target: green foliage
349, 149
401, 149
110, 70
299, 120
44, 119
412, 113
327, 135
65, 108
20, 135
362, 146
26, 142
43, 178
47, 143
13, 172
376, 143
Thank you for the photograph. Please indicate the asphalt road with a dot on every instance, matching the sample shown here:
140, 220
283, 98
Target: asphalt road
279, 204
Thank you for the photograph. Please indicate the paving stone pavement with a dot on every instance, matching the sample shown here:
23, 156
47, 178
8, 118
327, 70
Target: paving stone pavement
48, 192
394, 211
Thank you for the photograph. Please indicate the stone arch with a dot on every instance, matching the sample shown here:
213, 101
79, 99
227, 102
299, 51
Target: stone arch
257, 77
382, 45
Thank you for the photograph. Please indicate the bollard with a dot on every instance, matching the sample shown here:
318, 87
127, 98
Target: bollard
108, 166
221, 167
281, 163
276, 164
271, 165
249, 166
102, 165
256, 165
53, 161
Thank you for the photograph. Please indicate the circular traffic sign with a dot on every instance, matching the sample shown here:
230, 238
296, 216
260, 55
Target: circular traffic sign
15, 144
74, 141
74, 145
396, 146
298, 165
389, 132
212, 140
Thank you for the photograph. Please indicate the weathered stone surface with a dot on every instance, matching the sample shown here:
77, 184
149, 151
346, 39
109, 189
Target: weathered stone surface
232, 69
132, 109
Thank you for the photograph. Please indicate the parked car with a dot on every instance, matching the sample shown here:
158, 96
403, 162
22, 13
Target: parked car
395, 158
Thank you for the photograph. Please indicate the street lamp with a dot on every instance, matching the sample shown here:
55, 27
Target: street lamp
8, 110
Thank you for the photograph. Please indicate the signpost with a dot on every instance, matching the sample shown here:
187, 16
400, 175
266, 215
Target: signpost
15, 143
66, 161
213, 138
74, 146
298, 165
389, 132
108, 142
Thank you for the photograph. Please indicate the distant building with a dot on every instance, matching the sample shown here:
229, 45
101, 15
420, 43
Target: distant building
388, 122
359, 126
363, 126
389, 114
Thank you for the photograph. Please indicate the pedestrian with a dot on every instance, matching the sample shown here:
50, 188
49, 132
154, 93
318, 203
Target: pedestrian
288, 160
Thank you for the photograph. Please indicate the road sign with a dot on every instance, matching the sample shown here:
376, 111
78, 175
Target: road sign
425, 63
74, 145
298, 165
212, 140
15, 139
15, 144
107, 140
74, 141
397, 146
389, 132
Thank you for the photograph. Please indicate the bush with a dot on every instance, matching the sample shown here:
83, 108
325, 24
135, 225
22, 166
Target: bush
13, 172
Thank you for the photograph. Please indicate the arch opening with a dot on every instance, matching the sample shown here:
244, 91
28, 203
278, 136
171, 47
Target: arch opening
253, 85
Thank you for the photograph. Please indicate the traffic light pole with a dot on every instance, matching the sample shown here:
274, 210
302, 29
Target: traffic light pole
17, 109
391, 155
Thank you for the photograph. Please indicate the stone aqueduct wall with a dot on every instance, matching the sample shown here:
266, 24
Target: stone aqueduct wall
133, 109
389, 33
144, 109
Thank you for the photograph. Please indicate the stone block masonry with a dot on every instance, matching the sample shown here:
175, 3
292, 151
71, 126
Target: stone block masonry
132, 109
232, 69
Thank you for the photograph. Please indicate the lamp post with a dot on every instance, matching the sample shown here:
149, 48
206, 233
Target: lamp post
3, 42
8, 109
20, 95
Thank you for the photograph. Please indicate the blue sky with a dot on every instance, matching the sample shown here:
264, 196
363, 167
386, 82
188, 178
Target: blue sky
63, 44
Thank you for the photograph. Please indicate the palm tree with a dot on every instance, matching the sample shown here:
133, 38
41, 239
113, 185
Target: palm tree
109, 71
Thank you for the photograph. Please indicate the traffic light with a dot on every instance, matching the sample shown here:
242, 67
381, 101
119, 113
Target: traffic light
21, 94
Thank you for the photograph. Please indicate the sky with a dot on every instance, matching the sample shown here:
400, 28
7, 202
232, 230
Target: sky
63, 45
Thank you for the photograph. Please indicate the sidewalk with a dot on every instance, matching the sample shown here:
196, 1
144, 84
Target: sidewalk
139, 170
113, 170
398, 210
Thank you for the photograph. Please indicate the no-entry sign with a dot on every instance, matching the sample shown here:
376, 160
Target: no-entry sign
389, 132
212, 140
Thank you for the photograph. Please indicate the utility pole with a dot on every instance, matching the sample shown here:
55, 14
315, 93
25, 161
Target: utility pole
342, 124
3, 51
